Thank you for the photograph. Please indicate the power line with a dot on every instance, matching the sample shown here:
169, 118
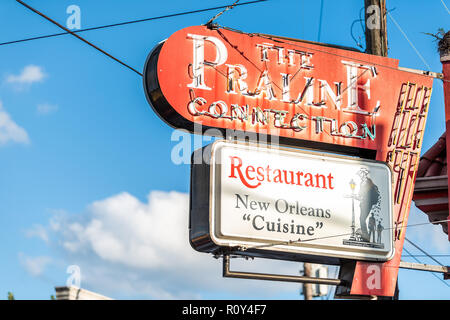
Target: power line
274, 38
407, 39
417, 260
67, 31
360, 20
127, 23
210, 21
79, 37
424, 255
446, 8
320, 20
423, 251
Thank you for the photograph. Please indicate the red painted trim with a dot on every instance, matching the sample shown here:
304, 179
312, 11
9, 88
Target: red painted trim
446, 72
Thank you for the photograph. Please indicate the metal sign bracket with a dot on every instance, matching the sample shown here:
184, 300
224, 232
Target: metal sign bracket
227, 273
445, 270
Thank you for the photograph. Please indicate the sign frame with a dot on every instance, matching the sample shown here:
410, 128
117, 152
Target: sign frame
202, 217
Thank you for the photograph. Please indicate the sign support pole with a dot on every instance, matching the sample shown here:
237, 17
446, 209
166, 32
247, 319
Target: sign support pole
376, 35
307, 288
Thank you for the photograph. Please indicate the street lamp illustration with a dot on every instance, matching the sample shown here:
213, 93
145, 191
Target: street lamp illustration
369, 200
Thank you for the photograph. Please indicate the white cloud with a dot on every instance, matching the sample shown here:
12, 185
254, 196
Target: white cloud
38, 231
34, 265
30, 74
46, 108
9, 130
132, 248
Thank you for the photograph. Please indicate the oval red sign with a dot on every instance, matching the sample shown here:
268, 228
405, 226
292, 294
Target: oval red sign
271, 86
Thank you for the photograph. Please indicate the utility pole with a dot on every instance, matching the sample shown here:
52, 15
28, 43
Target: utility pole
307, 287
376, 35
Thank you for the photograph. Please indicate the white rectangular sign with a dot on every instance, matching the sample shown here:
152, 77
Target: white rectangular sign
299, 201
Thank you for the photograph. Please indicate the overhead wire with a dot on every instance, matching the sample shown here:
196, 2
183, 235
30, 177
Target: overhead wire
79, 37
432, 257
320, 21
407, 39
274, 38
351, 30
73, 33
424, 255
446, 8
423, 251
222, 12
417, 260
126, 23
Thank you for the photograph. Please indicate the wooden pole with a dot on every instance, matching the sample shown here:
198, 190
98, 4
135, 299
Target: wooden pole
376, 33
307, 287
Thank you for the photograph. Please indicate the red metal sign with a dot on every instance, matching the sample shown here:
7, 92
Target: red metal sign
300, 92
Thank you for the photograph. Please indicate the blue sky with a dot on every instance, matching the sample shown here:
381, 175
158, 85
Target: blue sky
85, 164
